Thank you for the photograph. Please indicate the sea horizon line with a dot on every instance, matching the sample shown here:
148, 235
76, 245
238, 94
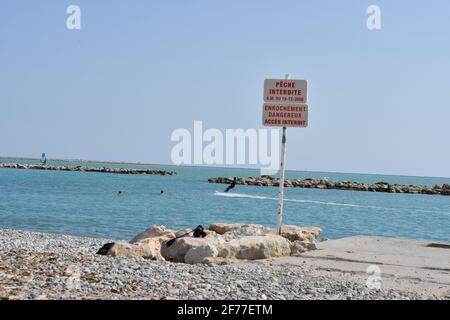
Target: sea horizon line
212, 166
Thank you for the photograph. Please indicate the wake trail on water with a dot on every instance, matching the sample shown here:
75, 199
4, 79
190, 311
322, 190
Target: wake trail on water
249, 196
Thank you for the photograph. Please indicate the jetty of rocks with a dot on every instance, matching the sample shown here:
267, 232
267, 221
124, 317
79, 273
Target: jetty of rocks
86, 169
339, 185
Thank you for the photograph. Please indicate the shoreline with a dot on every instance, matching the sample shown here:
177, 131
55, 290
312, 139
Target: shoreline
36, 265
86, 169
81, 161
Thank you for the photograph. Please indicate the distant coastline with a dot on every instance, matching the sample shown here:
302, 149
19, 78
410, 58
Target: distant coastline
223, 167
81, 160
85, 169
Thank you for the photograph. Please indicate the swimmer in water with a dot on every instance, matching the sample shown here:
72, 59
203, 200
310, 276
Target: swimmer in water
119, 193
232, 185
162, 192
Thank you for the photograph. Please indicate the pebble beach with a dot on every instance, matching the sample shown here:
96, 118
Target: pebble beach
49, 266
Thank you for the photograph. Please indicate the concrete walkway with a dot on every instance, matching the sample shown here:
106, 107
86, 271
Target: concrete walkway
404, 264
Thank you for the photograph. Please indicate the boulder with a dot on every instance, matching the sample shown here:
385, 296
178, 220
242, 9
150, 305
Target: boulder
198, 254
221, 228
246, 230
214, 238
239, 230
153, 231
184, 232
134, 250
445, 189
294, 233
312, 245
154, 245
178, 250
299, 247
210, 233
256, 247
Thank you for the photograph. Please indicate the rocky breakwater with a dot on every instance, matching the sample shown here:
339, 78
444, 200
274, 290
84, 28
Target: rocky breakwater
339, 185
222, 244
86, 169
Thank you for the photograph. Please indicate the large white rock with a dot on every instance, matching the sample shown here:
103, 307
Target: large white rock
177, 251
198, 254
154, 244
246, 230
154, 231
221, 228
294, 233
256, 247
236, 230
135, 250
179, 248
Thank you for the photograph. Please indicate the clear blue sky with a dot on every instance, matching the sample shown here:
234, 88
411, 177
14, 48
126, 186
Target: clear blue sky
379, 100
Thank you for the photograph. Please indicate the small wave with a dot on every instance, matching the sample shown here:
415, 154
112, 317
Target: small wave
241, 195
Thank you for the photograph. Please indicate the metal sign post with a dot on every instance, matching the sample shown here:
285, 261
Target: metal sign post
286, 106
281, 188
282, 167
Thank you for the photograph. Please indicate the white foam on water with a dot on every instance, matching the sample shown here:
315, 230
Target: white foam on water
249, 196
241, 195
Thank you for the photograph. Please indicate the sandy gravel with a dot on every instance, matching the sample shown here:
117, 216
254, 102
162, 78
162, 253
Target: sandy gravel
46, 266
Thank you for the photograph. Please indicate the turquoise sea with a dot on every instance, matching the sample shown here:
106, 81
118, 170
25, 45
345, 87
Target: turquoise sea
87, 204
